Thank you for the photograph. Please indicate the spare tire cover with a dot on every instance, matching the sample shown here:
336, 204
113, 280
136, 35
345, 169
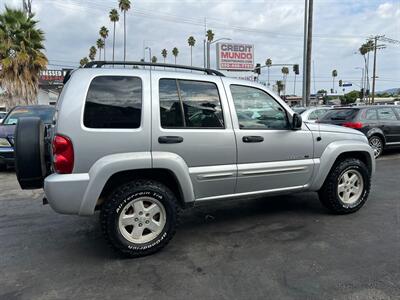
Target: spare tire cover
30, 165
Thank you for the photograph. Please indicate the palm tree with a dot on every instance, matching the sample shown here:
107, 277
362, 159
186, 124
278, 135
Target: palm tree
268, 63
92, 53
334, 74
175, 53
124, 6
364, 50
100, 45
114, 17
21, 56
280, 86
285, 72
191, 42
164, 54
210, 37
104, 34
83, 61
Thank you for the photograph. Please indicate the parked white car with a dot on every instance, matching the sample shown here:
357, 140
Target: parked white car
311, 115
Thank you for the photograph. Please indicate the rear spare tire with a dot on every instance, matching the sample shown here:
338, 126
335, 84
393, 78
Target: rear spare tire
30, 165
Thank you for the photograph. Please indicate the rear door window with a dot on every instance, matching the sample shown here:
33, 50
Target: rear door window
369, 115
114, 102
190, 104
386, 114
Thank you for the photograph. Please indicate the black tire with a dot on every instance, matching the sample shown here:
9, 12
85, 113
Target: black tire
329, 195
377, 144
120, 198
30, 165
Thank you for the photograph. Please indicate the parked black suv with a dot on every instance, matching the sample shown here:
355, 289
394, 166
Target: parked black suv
381, 124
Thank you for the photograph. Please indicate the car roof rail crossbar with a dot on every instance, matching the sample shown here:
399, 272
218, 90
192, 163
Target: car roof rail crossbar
99, 64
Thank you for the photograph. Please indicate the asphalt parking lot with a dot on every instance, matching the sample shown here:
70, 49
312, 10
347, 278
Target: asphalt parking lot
271, 248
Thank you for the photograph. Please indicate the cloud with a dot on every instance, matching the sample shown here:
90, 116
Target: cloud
275, 27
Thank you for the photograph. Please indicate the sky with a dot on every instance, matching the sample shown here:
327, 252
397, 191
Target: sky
274, 27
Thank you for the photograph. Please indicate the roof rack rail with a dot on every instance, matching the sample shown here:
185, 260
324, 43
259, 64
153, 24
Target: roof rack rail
99, 64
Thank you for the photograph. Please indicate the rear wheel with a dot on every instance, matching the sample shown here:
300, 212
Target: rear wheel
347, 187
140, 218
376, 144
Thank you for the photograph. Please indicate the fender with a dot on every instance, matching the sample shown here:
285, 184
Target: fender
332, 152
109, 165
376, 131
177, 165
104, 168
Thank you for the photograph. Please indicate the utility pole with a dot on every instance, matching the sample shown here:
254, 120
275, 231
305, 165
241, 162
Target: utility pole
308, 19
376, 47
204, 42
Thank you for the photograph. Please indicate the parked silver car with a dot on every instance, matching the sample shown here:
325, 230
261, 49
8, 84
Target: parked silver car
140, 145
312, 114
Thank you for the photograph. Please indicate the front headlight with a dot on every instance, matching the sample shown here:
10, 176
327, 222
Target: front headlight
4, 143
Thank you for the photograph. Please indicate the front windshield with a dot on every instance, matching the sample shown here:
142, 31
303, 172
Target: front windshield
44, 113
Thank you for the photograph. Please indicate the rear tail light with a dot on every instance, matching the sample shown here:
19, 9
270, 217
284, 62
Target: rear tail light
355, 125
63, 155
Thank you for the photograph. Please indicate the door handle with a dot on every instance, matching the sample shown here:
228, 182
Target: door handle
170, 139
252, 139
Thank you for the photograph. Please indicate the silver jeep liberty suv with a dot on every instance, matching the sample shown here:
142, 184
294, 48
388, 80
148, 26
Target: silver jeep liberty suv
140, 143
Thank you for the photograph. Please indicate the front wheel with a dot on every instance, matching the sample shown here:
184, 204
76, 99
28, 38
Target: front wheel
140, 217
347, 187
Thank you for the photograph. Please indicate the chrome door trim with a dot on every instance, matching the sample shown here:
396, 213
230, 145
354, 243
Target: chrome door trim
255, 193
272, 171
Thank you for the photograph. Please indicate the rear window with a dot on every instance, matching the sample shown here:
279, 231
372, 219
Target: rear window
340, 114
114, 102
44, 113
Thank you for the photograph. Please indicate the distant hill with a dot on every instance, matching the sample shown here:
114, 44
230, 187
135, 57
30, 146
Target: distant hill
393, 91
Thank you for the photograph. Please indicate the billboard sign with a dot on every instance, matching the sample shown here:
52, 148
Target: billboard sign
235, 57
52, 77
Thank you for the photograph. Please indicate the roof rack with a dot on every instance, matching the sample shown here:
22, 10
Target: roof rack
99, 64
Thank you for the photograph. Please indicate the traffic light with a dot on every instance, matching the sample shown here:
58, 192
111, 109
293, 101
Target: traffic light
296, 69
257, 70
340, 82
361, 96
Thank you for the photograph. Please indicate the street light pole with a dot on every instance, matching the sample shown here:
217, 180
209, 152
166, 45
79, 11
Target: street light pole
209, 47
308, 20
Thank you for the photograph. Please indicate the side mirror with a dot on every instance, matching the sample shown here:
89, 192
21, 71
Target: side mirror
296, 121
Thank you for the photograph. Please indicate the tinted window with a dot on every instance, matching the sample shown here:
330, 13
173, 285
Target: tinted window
257, 110
397, 109
316, 114
340, 114
190, 104
369, 114
386, 114
44, 113
114, 102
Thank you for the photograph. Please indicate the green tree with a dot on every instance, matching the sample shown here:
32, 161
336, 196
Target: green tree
268, 63
104, 34
114, 17
100, 46
175, 53
334, 75
279, 86
191, 42
92, 53
210, 35
154, 59
21, 56
349, 98
164, 54
83, 61
285, 72
124, 6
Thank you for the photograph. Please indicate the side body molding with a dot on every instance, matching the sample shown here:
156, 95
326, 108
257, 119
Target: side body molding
104, 168
176, 164
332, 152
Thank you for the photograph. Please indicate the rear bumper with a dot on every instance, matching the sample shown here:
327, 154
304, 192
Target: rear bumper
7, 156
65, 193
